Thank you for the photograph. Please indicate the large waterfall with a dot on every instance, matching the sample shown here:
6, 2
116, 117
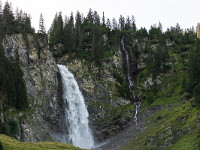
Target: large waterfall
77, 115
137, 104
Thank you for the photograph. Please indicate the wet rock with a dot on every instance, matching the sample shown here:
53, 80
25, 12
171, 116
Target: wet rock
99, 89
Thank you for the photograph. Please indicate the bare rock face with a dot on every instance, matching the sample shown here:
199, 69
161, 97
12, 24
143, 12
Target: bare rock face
100, 90
109, 112
44, 120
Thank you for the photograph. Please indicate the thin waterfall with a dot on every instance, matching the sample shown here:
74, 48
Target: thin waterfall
76, 112
137, 104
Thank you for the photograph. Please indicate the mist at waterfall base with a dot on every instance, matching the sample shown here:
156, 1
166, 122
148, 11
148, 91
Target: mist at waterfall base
76, 112
137, 104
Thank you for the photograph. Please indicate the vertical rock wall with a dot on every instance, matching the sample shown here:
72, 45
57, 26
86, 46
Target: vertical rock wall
109, 113
44, 120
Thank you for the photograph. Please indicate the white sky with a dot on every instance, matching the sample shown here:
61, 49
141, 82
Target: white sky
146, 12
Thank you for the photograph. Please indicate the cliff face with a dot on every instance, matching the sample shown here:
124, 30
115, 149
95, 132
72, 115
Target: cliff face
109, 112
45, 119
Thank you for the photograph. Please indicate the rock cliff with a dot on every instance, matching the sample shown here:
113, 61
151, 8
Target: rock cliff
109, 112
44, 120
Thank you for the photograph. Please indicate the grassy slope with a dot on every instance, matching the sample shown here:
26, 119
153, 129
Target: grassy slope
12, 144
177, 125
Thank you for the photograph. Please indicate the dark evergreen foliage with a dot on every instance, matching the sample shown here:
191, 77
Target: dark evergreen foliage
88, 37
194, 70
10, 128
12, 86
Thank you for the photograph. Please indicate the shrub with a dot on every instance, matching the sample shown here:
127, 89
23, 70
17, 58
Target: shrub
13, 127
149, 97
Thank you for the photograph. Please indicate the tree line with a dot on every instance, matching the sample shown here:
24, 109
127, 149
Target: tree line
89, 37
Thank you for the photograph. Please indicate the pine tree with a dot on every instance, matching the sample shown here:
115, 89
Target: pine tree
133, 24
27, 24
90, 16
103, 19
52, 31
128, 24
96, 18
8, 18
178, 29
160, 26
41, 25
69, 43
108, 24
59, 29
121, 23
115, 38
98, 45
114, 24
78, 34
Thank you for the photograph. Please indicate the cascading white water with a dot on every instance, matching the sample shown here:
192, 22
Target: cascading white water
137, 104
128, 66
77, 114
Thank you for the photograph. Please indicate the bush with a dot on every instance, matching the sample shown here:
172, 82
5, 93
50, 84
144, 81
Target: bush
123, 87
13, 127
9, 128
149, 97
5, 129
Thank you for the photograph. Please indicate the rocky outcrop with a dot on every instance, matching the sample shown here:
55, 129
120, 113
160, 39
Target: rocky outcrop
101, 93
109, 111
44, 120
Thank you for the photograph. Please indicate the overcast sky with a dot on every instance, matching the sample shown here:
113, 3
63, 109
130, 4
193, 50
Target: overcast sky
146, 12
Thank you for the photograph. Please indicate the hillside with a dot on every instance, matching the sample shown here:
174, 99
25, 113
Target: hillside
119, 69
169, 115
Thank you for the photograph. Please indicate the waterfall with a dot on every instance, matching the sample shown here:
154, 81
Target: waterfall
76, 112
137, 104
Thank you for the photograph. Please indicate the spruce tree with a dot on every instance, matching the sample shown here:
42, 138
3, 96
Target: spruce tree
56, 30
121, 23
41, 25
114, 24
108, 24
69, 43
8, 19
103, 19
52, 31
133, 24
128, 24
78, 33
90, 16
96, 18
